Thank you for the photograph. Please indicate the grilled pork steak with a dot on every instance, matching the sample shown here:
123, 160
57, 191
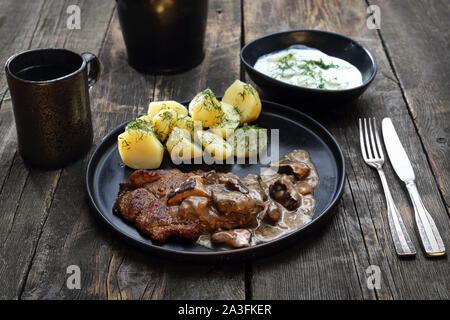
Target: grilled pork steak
155, 221
131, 203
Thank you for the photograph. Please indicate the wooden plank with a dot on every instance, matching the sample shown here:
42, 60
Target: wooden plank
15, 36
330, 265
8, 140
52, 31
26, 197
109, 267
361, 215
418, 51
27, 193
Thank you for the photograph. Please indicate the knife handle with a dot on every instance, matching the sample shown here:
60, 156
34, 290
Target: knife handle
402, 243
429, 234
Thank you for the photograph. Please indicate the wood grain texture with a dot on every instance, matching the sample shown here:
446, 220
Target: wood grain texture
28, 193
361, 216
47, 224
15, 36
419, 54
8, 141
110, 268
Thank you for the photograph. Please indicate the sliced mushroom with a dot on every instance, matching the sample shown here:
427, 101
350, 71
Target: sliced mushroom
236, 185
210, 177
223, 177
304, 187
234, 202
273, 212
236, 238
253, 183
191, 187
283, 192
297, 169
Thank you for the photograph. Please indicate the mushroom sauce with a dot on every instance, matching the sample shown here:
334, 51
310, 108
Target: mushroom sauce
289, 220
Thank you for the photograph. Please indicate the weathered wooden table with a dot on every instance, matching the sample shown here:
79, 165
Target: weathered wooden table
47, 225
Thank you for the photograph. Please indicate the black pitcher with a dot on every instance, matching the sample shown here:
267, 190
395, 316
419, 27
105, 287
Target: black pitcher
163, 36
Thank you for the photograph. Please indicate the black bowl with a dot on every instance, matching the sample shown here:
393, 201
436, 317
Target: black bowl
333, 44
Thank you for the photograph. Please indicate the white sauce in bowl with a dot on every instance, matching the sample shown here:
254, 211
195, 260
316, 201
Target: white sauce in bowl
308, 67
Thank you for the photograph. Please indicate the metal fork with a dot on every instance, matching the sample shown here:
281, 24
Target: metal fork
372, 153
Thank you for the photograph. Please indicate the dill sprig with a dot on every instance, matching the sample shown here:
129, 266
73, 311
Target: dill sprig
139, 124
321, 64
210, 99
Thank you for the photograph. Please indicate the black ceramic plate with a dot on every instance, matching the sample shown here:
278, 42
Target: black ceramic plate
297, 131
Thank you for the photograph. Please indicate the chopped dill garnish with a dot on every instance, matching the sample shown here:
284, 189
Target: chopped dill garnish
142, 126
285, 62
248, 89
289, 67
210, 99
166, 115
220, 117
125, 143
321, 64
139, 124
247, 127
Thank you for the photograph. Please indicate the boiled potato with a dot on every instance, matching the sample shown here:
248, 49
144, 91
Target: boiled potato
187, 123
218, 148
245, 98
248, 141
229, 123
157, 106
181, 147
206, 108
164, 121
139, 147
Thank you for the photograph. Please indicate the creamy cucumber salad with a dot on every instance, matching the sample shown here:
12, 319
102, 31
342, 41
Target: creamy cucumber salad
308, 67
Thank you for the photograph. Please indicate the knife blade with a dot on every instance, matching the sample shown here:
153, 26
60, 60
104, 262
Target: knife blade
429, 234
397, 154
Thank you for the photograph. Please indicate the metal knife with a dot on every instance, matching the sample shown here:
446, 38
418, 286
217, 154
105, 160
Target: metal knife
429, 234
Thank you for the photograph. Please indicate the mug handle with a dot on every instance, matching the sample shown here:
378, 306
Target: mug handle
95, 67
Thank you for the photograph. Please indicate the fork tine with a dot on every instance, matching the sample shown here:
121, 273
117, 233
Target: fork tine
372, 139
361, 141
366, 135
379, 146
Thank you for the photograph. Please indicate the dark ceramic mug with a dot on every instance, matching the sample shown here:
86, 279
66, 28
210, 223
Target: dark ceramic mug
50, 96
